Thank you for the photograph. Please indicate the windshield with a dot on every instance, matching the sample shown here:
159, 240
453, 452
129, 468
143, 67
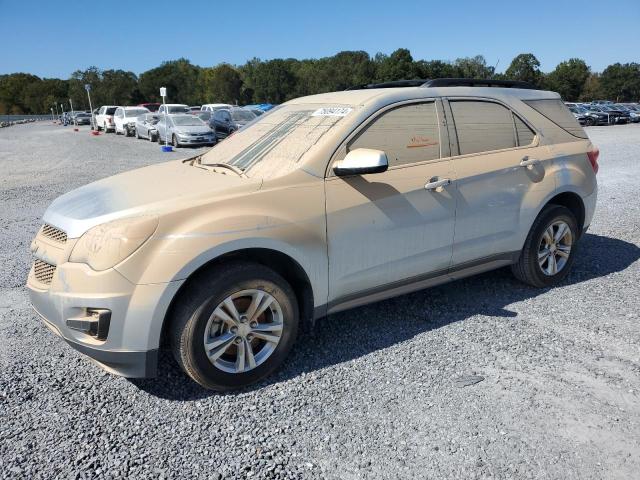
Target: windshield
242, 115
135, 112
275, 143
188, 121
177, 109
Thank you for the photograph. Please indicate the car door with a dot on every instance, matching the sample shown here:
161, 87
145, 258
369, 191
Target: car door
225, 124
501, 170
118, 118
386, 230
218, 123
161, 126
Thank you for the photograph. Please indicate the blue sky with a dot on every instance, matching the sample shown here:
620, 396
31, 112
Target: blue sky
53, 38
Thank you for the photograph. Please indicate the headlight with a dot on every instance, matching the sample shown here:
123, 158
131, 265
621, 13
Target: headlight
106, 245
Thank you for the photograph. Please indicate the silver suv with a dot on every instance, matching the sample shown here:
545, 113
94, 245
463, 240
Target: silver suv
322, 204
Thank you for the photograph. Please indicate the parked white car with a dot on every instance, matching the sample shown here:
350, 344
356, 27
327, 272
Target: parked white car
126, 117
212, 107
173, 108
104, 118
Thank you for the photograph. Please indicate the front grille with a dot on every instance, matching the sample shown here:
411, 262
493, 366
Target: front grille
54, 233
43, 271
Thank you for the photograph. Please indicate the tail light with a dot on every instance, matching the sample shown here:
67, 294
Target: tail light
111, 120
593, 155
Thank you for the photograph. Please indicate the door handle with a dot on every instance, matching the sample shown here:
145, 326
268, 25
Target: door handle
437, 185
529, 163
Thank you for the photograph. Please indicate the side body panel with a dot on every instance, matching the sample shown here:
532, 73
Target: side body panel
285, 215
386, 227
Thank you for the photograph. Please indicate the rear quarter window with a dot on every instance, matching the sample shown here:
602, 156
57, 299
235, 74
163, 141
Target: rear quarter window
558, 113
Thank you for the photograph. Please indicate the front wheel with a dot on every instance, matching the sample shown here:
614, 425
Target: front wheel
234, 325
549, 250
174, 141
589, 122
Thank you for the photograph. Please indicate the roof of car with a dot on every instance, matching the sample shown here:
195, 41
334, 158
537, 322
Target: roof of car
358, 97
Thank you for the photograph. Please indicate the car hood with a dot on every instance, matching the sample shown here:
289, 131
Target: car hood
148, 190
195, 129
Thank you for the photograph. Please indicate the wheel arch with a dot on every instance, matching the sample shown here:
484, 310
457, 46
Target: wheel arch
283, 264
574, 203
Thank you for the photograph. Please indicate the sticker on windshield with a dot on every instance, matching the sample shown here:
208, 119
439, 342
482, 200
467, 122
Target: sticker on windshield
332, 112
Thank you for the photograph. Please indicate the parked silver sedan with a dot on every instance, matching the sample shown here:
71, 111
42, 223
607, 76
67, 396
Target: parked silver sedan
146, 126
181, 130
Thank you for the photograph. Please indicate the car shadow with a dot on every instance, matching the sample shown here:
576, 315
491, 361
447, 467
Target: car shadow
401, 318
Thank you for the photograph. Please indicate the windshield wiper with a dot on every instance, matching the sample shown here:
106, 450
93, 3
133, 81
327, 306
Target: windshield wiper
197, 162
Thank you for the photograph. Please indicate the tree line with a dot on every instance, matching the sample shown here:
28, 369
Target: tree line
278, 80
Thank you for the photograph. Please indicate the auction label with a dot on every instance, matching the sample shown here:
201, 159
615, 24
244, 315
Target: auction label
332, 112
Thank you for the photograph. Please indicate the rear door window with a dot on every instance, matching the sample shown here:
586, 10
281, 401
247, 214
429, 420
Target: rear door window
524, 135
482, 126
407, 134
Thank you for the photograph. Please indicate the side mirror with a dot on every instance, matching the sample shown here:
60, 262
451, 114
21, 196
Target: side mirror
362, 161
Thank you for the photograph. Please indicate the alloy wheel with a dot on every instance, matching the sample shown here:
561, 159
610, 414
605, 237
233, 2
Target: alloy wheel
243, 331
555, 248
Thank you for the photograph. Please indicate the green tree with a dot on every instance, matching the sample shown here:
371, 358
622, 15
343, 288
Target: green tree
524, 67
621, 82
272, 81
435, 69
12, 92
592, 89
473, 67
180, 77
568, 78
220, 84
397, 66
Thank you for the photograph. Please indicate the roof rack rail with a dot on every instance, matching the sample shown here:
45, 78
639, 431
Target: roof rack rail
394, 84
477, 82
448, 82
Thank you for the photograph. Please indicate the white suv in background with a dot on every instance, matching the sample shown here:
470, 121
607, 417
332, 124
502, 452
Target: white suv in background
173, 108
212, 107
125, 116
104, 118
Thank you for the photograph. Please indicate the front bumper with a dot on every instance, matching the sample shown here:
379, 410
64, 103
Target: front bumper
137, 312
203, 140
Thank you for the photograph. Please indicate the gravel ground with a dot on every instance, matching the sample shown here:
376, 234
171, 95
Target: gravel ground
483, 378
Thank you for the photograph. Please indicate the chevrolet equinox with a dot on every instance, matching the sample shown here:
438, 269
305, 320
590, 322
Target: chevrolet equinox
324, 203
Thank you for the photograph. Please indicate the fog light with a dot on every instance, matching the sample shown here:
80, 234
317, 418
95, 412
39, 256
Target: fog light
95, 323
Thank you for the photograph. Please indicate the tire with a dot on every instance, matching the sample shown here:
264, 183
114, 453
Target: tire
193, 314
589, 122
528, 268
174, 141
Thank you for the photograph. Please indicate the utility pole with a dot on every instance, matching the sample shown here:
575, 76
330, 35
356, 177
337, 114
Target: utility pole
72, 116
87, 87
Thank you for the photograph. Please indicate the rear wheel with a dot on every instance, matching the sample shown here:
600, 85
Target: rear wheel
549, 251
234, 325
